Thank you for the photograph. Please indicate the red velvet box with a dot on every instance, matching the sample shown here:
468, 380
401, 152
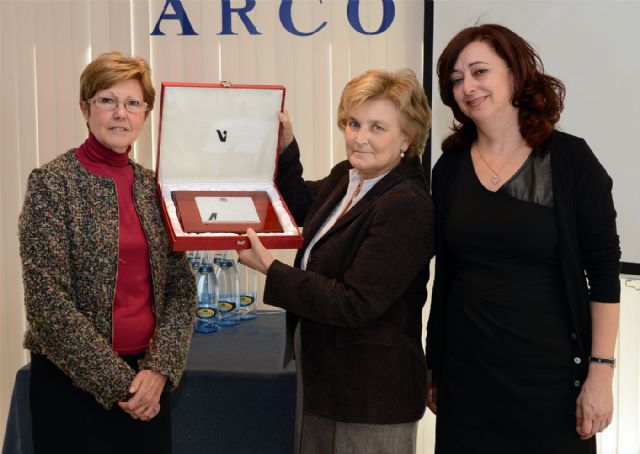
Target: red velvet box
216, 165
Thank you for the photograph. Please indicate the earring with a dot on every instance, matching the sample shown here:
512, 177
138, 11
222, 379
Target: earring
402, 153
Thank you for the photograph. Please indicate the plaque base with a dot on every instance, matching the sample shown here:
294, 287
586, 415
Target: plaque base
191, 218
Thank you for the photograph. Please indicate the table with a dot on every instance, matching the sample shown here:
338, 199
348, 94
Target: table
237, 394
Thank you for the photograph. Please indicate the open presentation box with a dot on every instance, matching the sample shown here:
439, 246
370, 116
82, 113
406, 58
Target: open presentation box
216, 166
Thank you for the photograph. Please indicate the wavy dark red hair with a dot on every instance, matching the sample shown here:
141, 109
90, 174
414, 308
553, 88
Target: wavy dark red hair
539, 97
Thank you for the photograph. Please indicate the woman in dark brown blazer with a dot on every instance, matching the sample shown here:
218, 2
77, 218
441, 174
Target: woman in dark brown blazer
359, 281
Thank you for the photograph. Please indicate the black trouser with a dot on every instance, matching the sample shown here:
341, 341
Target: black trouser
66, 419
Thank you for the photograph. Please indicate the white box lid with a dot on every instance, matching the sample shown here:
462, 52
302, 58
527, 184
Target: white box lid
213, 133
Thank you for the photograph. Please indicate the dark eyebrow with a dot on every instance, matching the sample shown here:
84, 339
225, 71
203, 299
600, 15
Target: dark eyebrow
471, 65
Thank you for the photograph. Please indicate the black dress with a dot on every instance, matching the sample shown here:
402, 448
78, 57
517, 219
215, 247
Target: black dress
505, 385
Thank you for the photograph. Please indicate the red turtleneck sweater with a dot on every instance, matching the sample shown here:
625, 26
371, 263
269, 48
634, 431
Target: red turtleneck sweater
133, 319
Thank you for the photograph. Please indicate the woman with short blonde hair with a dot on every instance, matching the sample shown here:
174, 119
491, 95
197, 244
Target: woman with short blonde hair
109, 306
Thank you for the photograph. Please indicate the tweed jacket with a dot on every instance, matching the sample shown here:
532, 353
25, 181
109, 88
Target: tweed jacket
68, 233
360, 299
589, 246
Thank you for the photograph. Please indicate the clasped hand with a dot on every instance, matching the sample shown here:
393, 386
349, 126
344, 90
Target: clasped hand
146, 388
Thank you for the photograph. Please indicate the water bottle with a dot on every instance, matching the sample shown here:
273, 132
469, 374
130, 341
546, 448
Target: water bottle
248, 292
207, 314
228, 287
195, 258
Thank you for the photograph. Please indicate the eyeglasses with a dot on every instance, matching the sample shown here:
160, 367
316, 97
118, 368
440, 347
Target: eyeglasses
111, 103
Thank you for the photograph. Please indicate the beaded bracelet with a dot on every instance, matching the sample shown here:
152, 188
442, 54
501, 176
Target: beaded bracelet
611, 362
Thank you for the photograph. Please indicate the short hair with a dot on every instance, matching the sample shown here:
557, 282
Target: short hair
538, 97
109, 68
403, 90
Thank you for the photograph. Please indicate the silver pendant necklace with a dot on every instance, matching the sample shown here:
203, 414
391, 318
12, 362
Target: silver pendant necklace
495, 179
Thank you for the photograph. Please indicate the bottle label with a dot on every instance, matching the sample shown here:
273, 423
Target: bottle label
206, 312
246, 300
226, 306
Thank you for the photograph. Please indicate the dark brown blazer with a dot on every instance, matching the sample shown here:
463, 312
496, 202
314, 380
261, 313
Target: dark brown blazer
360, 299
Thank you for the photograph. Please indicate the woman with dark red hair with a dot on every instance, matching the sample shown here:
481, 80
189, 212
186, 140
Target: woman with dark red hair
524, 316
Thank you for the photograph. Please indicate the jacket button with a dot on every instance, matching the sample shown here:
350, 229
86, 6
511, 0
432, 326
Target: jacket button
577, 360
574, 336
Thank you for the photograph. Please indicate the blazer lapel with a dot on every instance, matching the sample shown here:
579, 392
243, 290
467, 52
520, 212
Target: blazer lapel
408, 168
324, 211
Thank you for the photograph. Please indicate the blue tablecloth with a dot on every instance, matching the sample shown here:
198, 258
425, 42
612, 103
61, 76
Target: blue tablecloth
237, 394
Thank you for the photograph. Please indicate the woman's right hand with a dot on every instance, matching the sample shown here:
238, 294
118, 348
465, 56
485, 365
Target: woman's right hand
432, 393
146, 389
258, 257
287, 130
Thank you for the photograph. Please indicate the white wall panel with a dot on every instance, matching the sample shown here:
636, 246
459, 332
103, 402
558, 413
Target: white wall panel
25, 108
46, 97
17, 113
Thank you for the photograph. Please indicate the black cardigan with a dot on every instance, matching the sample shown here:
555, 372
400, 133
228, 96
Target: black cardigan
360, 299
589, 246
